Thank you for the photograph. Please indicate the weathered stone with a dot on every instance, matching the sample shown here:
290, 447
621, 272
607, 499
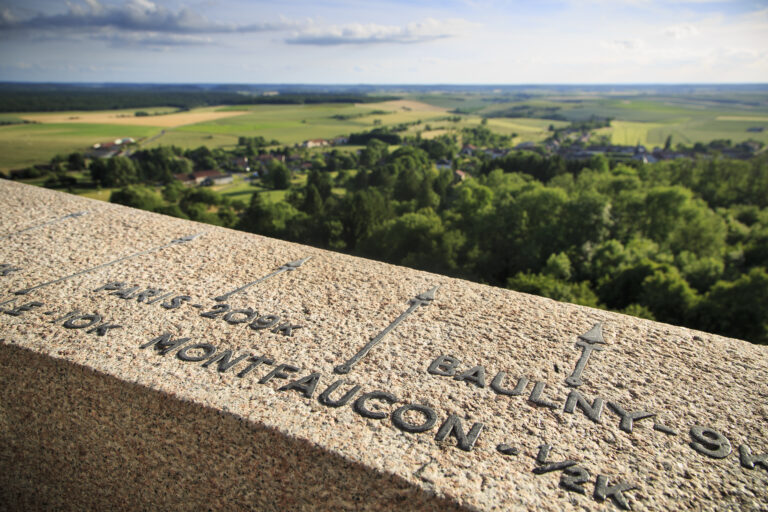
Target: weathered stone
196, 419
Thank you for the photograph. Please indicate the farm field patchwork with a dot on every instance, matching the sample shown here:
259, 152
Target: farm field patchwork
648, 120
165, 118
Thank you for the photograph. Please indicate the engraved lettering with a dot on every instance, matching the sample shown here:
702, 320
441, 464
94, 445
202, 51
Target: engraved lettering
475, 375
573, 478
628, 419
305, 385
749, 461
325, 396
176, 302
554, 466
361, 408
498, 380
215, 311
541, 459
286, 329
444, 365
264, 322
453, 426
164, 344
615, 492
101, 330
207, 351
543, 453
6, 269
19, 310
576, 399
127, 293
255, 362
278, 373
710, 442
113, 285
72, 323
146, 294
173, 242
240, 316
536, 399
225, 360
430, 418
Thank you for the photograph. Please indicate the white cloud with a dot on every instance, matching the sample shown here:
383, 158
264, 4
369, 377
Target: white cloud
681, 31
133, 15
624, 44
361, 34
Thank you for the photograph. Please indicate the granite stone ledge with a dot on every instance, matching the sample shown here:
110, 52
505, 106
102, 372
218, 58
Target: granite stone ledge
143, 368
72, 438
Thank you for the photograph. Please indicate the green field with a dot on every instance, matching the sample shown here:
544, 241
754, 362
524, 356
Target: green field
290, 124
22, 145
644, 119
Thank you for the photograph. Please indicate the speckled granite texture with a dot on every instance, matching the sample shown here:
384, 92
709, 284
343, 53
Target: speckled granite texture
90, 420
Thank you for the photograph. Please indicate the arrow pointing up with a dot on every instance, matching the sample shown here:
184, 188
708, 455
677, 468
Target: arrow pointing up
422, 299
589, 342
47, 223
173, 242
288, 267
594, 335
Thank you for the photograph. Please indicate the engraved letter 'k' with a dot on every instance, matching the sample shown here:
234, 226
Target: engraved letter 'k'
589, 342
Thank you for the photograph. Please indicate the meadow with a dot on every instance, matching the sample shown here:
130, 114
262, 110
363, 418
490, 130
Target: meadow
640, 118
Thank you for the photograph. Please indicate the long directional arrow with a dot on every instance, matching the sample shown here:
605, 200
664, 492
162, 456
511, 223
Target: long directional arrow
173, 242
288, 267
47, 223
422, 299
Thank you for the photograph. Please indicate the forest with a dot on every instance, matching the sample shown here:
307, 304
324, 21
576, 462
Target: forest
682, 241
47, 98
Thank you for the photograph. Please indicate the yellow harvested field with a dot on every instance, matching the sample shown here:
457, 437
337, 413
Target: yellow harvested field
432, 134
416, 106
161, 121
742, 118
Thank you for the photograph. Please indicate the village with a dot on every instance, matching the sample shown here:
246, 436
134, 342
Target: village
570, 144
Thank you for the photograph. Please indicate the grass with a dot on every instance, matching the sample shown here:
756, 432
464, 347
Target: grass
686, 132
242, 190
292, 124
102, 194
640, 118
24, 145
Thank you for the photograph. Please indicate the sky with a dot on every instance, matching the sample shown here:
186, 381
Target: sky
385, 42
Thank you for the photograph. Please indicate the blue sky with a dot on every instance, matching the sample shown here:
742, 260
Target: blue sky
394, 41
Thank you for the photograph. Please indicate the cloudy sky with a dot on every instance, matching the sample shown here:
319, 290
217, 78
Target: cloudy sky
388, 41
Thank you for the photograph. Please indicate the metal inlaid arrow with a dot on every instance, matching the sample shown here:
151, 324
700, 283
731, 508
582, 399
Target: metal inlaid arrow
173, 242
288, 267
589, 343
47, 223
422, 299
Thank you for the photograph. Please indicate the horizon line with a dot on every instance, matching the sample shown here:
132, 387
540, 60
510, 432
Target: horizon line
396, 84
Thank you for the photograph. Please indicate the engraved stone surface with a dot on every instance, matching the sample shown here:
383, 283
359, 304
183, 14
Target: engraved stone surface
149, 362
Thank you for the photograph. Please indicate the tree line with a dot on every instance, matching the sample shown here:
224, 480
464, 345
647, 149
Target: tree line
38, 98
682, 241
